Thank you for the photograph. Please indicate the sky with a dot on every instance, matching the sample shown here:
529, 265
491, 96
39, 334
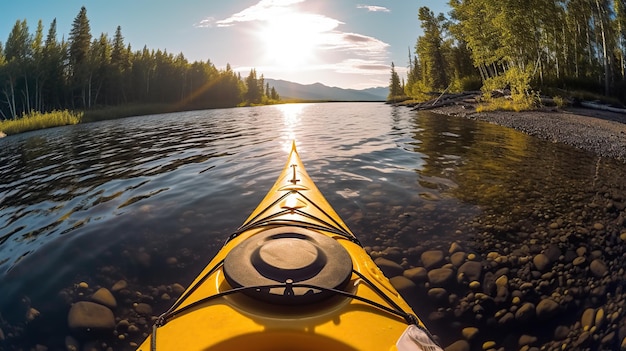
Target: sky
342, 43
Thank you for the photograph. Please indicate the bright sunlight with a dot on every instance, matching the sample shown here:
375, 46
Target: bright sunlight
291, 40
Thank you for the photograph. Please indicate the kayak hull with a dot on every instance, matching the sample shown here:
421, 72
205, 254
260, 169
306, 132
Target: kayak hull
219, 312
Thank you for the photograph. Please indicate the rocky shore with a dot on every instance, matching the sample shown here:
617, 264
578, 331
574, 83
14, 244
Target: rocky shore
601, 132
559, 287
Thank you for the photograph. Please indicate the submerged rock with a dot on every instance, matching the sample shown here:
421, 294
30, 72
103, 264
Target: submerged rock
459, 345
441, 277
390, 268
432, 259
86, 316
143, 308
598, 268
547, 308
104, 297
119, 285
471, 270
418, 275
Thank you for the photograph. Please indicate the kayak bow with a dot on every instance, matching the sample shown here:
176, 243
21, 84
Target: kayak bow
293, 276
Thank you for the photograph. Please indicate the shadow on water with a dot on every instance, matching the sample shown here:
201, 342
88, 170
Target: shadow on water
139, 206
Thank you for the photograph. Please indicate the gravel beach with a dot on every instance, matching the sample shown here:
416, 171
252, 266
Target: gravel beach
601, 132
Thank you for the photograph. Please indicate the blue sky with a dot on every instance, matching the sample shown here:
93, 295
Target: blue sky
349, 44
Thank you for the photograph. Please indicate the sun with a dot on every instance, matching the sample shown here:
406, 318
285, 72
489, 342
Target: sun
292, 41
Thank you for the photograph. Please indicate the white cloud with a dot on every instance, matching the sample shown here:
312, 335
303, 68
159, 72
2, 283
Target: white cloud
208, 22
358, 44
373, 8
358, 66
264, 10
333, 50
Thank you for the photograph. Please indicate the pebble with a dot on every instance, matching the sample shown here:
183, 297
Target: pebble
418, 274
526, 340
469, 333
119, 285
546, 309
455, 247
432, 259
471, 270
71, 344
561, 332
489, 345
32, 314
438, 294
458, 258
122, 325
541, 262
441, 277
525, 313
598, 268
390, 268
459, 345
177, 288
104, 297
406, 288
474, 285
143, 309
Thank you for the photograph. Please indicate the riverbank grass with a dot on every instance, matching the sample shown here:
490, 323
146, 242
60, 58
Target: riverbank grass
508, 104
38, 120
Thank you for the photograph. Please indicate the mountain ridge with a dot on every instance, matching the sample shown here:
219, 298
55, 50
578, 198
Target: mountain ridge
321, 92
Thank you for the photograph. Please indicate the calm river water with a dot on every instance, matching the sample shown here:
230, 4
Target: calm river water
149, 200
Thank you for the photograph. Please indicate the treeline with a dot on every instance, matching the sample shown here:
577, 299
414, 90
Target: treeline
566, 44
39, 74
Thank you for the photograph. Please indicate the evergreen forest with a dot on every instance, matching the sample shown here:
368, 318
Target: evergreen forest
39, 73
547, 46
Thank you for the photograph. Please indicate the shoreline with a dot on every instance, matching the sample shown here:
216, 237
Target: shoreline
597, 131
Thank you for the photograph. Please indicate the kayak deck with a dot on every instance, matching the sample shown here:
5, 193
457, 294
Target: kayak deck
293, 276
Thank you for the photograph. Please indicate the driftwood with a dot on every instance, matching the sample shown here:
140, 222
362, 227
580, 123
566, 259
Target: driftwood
446, 100
598, 106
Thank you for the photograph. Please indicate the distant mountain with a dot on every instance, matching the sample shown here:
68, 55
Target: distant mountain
318, 91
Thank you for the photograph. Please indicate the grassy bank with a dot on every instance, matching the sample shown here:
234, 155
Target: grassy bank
37, 120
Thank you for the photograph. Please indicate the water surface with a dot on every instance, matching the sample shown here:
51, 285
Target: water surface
150, 200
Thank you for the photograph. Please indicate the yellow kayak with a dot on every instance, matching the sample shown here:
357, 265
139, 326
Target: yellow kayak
292, 277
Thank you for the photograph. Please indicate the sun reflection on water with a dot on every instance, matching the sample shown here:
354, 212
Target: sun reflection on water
292, 114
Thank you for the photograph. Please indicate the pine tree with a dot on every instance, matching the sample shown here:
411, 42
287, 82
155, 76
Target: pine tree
18, 54
80, 39
429, 49
395, 89
53, 82
253, 93
80, 42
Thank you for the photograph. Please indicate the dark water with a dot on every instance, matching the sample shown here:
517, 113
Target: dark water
150, 200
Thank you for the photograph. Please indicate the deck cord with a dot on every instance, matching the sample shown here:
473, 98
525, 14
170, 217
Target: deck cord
258, 221
171, 313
